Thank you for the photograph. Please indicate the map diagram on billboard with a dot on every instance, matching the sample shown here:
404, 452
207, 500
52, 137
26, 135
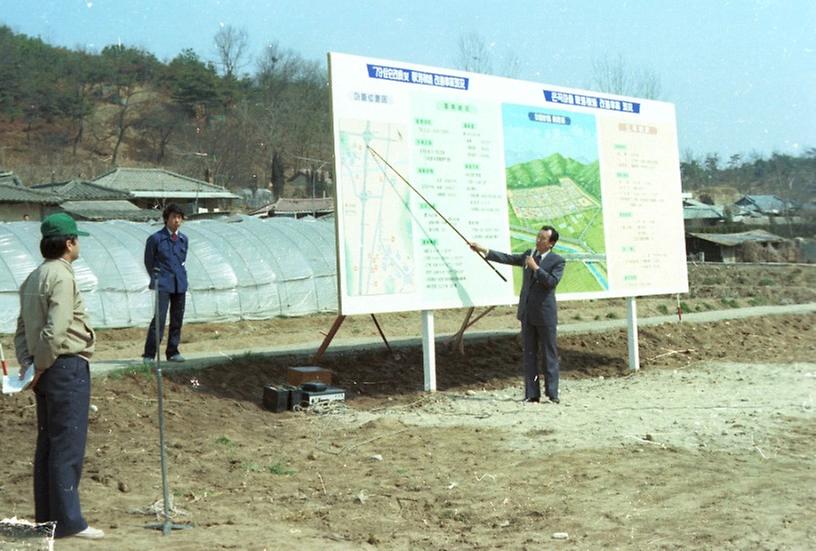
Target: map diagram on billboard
377, 225
553, 178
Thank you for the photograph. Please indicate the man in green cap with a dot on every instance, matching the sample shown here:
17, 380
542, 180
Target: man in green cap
53, 335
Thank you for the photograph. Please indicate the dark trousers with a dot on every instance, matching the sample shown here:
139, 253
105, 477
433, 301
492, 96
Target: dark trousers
540, 342
63, 398
175, 302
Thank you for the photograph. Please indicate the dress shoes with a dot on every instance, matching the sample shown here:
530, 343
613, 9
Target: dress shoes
90, 533
177, 358
554, 400
531, 401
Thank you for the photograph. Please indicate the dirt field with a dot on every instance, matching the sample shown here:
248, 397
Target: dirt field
709, 446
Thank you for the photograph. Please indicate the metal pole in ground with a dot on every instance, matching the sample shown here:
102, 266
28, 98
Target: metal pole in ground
167, 526
632, 333
429, 350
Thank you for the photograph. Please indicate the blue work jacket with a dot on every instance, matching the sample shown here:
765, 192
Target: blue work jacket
169, 256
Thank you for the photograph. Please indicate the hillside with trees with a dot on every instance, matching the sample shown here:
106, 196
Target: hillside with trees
67, 113
714, 181
550, 170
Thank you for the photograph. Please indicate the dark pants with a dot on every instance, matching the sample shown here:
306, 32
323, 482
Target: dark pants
63, 398
540, 342
175, 301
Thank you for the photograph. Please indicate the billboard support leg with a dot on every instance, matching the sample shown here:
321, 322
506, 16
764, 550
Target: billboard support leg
382, 335
632, 333
428, 350
338, 321
457, 341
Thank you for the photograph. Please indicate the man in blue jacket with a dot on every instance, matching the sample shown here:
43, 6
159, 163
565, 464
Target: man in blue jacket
537, 310
164, 258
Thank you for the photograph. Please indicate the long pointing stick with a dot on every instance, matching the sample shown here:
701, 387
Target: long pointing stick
415, 190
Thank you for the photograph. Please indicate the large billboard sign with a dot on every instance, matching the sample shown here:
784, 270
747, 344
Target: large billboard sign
497, 158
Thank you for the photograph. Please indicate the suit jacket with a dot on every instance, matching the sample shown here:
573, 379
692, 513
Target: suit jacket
169, 256
537, 298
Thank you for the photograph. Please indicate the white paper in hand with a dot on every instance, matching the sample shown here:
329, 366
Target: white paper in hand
13, 383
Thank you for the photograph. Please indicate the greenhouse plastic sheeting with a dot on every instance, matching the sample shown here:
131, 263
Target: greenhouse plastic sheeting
238, 268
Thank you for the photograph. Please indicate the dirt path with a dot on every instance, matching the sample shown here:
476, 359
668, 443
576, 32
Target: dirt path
709, 446
713, 288
213, 351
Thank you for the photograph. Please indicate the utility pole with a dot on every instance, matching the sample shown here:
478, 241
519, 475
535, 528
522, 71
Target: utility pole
315, 168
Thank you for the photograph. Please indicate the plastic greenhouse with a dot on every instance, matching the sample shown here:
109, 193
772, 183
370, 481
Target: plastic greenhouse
238, 268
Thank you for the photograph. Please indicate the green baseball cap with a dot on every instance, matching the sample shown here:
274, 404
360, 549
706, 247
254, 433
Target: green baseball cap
59, 224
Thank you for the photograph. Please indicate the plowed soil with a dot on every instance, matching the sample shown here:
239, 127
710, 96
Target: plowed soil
708, 446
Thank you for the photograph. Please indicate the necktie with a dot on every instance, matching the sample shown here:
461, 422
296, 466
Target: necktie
173, 236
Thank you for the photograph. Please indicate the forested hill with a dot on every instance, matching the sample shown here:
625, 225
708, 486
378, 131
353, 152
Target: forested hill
786, 176
66, 113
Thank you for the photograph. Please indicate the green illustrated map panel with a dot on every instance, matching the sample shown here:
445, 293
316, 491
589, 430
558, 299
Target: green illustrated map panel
553, 179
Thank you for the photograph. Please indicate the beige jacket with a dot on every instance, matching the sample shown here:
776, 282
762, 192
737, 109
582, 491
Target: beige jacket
52, 317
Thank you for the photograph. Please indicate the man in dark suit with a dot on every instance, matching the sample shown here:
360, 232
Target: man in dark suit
165, 256
537, 309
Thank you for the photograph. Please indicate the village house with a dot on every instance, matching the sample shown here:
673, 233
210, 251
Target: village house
152, 188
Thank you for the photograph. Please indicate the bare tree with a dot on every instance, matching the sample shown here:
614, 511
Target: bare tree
615, 76
158, 123
511, 65
231, 45
474, 54
279, 68
291, 86
127, 70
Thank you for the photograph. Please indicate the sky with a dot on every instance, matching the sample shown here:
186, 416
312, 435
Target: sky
742, 74
525, 140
